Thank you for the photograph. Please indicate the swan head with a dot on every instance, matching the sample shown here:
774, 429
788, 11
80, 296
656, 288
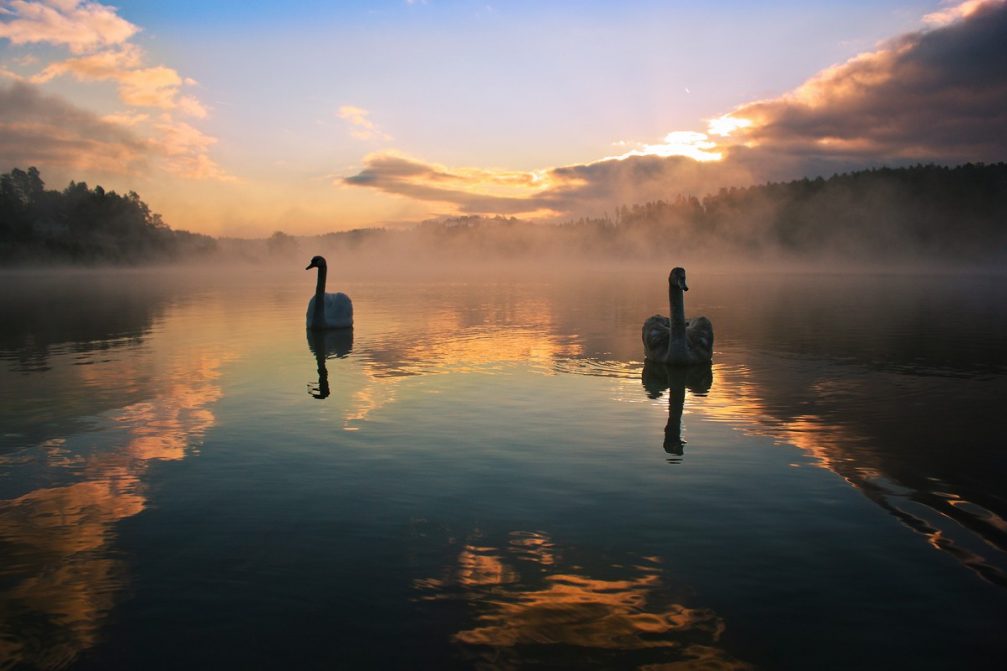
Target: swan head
677, 279
316, 262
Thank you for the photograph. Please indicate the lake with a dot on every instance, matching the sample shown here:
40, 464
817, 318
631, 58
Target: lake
482, 474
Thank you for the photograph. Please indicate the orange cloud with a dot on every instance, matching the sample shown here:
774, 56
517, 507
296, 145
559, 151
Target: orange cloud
80, 26
185, 149
139, 86
361, 127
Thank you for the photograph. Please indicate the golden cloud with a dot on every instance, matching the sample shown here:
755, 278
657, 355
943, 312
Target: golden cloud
185, 149
138, 86
361, 127
80, 26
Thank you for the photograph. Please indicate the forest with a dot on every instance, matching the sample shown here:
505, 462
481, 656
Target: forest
924, 213
928, 213
81, 225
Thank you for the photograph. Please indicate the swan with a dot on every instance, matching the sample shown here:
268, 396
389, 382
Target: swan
328, 311
675, 340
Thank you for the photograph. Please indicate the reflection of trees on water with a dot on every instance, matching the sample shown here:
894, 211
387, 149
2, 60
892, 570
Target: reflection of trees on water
75, 312
876, 431
91, 319
333, 343
531, 601
658, 378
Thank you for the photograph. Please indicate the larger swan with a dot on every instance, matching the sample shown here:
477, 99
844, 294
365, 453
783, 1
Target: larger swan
328, 311
675, 340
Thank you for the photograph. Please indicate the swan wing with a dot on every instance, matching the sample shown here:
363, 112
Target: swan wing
699, 331
338, 310
656, 333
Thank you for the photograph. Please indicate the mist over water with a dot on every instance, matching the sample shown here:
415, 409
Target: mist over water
479, 475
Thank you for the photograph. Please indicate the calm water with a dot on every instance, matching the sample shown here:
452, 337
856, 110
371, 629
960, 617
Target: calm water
483, 475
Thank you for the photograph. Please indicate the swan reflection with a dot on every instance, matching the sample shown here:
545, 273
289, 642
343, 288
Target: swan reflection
658, 377
332, 344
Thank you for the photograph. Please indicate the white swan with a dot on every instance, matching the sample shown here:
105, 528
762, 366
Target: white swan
328, 311
676, 340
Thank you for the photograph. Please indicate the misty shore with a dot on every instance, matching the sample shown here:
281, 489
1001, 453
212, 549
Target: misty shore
884, 219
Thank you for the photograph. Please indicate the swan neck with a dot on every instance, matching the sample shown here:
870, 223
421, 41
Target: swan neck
320, 287
678, 348
318, 320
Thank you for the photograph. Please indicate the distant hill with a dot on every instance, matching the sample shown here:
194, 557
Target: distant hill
85, 226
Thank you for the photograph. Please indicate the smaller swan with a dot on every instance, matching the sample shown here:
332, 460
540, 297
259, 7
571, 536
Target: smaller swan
675, 340
328, 311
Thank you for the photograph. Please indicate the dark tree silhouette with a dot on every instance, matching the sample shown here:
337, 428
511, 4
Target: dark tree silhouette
83, 225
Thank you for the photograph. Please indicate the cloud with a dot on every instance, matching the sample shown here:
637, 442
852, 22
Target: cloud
138, 86
963, 10
185, 149
937, 95
50, 132
80, 26
38, 129
471, 189
361, 127
99, 41
568, 190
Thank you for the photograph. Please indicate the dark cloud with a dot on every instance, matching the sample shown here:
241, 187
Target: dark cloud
49, 132
938, 95
933, 96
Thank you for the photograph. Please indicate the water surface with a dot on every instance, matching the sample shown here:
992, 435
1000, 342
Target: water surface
484, 475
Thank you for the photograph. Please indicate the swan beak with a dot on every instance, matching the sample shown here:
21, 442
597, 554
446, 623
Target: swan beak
684, 287
310, 266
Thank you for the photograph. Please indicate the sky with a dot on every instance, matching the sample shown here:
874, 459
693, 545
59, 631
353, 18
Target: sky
241, 118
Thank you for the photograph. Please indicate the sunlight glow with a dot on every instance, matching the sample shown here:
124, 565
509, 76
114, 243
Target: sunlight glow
727, 124
692, 144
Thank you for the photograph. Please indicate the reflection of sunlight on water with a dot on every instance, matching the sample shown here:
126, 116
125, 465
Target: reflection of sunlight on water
446, 348
522, 597
58, 540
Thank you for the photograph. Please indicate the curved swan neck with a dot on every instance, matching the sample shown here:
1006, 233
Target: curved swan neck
678, 348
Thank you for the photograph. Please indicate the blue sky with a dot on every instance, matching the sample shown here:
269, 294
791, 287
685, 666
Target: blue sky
271, 105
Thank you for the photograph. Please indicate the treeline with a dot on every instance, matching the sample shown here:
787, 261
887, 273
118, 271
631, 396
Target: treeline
929, 212
926, 212
84, 225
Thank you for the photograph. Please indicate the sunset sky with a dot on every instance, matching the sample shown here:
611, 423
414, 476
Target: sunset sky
242, 118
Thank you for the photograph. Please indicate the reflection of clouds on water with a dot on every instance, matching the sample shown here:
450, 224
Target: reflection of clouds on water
58, 541
524, 595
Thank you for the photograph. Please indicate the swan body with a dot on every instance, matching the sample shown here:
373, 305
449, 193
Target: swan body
675, 340
327, 311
